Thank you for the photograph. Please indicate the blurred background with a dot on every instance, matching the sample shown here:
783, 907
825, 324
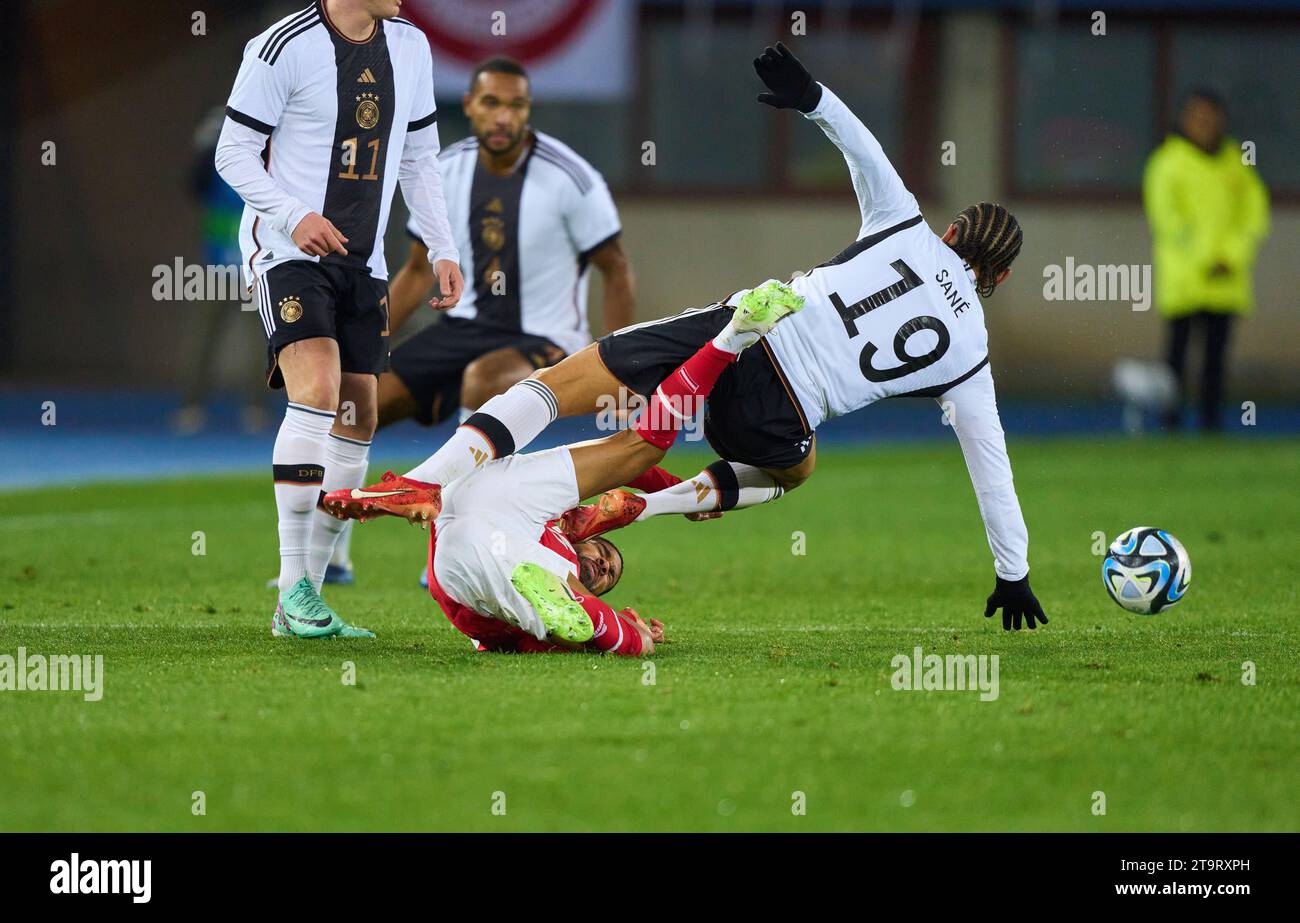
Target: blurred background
1017, 102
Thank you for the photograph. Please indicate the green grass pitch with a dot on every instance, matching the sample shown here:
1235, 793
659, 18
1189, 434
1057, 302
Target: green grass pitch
776, 680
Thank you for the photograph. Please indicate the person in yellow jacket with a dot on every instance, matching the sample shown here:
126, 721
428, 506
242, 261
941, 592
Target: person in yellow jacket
1208, 212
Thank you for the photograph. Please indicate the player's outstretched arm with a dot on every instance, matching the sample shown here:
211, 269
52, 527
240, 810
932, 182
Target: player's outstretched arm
882, 197
972, 411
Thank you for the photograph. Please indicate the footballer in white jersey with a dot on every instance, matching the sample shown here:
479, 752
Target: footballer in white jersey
331, 108
530, 217
897, 313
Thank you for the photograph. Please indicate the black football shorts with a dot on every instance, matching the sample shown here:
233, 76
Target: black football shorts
752, 416
302, 299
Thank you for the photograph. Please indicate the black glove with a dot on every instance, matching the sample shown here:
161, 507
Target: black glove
791, 85
1016, 601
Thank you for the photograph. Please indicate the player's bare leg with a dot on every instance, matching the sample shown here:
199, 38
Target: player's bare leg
394, 401
497, 371
311, 372
581, 383
790, 478
604, 464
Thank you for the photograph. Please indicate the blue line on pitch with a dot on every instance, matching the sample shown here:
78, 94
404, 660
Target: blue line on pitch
99, 436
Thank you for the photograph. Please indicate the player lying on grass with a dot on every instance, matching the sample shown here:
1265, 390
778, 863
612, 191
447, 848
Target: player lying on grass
500, 543
896, 314
500, 564
506, 576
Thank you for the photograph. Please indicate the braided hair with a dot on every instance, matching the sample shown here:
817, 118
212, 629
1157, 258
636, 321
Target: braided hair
988, 238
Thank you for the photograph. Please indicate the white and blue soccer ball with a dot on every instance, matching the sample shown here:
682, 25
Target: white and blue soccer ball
1146, 570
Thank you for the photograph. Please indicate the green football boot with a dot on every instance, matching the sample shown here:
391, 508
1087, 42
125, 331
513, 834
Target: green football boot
303, 614
554, 603
762, 307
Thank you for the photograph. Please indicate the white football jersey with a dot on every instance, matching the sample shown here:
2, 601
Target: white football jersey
492, 520
317, 122
894, 314
525, 239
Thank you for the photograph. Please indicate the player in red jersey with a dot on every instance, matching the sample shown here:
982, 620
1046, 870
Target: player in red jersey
499, 561
599, 566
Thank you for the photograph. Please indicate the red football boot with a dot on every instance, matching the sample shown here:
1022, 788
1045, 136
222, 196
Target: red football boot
412, 500
612, 510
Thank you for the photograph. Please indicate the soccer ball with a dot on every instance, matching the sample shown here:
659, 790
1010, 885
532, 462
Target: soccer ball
1146, 570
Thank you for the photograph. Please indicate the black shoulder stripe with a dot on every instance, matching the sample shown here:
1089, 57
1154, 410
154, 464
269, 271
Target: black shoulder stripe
585, 256
460, 147
558, 152
293, 21
248, 121
425, 122
568, 168
561, 158
284, 42
405, 22
867, 242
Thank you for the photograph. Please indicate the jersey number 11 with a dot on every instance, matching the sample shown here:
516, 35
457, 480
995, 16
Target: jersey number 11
350, 146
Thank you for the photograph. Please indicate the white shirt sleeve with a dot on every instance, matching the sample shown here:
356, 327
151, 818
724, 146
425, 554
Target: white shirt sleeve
413, 231
420, 173
592, 218
254, 109
972, 409
882, 198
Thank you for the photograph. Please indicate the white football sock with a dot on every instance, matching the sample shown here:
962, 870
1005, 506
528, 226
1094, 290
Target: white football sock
342, 556
733, 341
502, 426
346, 461
298, 464
721, 486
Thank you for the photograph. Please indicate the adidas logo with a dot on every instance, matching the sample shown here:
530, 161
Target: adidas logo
701, 491
366, 77
479, 456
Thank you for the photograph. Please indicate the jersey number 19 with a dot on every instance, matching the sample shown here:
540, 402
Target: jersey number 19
850, 313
